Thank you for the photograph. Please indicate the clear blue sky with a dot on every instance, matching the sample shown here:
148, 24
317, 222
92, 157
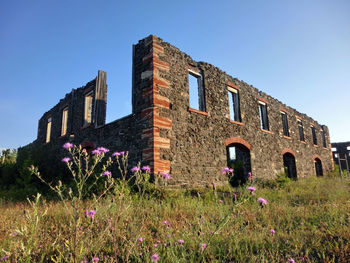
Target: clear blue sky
296, 51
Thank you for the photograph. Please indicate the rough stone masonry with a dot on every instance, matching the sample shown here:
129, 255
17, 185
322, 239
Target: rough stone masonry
230, 122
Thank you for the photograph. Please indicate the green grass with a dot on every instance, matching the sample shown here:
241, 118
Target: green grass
310, 218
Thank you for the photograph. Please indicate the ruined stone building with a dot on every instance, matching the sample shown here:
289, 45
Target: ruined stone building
341, 154
191, 119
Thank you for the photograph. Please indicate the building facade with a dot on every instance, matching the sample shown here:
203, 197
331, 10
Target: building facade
190, 119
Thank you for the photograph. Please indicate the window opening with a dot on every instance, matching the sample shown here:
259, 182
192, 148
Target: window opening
196, 91
238, 158
64, 121
264, 121
48, 129
234, 104
314, 138
318, 167
289, 165
301, 130
88, 109
324, 138
285, 124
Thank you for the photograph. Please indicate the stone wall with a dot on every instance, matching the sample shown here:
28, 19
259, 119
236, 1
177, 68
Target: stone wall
198, 139
164, 132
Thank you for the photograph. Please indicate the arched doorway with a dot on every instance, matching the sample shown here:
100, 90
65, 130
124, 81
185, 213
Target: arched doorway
289, 164
318, 166
238, 157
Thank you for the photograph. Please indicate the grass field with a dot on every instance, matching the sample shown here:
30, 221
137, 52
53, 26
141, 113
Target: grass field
305, 221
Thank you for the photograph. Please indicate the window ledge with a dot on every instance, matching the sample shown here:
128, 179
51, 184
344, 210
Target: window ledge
315, 145
325, 148
198, 111
287, 137
237, 122
266, 131
303, 142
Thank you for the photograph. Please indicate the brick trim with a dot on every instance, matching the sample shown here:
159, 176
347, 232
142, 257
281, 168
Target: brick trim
283, 110
287, 137
262, 100
238, 140
198, 111
316, 156
266, 131
298, 117
151, 111
232, 85
237, 122
287, 150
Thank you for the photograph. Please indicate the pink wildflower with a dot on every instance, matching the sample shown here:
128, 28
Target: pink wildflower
67, 145
165, 176
140, 239
291, 260
135, 169
106, 173
251, 189
220, 201
181, 241
95, 259
4, 258
66, 159
90, 213
96, 152
249, 174
155, 257
203, 246
214, 186
14, 234
155, 245
146, 168
272, 231
122, 153
140, 254
166, 223
262, 201
103, 150
116, 154
226, 170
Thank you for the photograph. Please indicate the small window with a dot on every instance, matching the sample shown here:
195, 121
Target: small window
64, 121
334, 149
88, 109
234, 104
196, 91
285, 124
232, 153
48, 129
336, 155
301, 130
348, 148
264, 121
314, 138
324, 142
